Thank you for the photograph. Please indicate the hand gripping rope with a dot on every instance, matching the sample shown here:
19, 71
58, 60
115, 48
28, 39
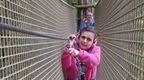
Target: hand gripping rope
73, 44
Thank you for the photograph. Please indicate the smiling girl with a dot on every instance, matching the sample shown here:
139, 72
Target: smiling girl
81, 63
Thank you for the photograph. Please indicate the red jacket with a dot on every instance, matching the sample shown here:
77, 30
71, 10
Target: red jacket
90, 58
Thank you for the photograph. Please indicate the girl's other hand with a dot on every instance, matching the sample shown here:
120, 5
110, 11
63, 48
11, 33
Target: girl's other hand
73, 51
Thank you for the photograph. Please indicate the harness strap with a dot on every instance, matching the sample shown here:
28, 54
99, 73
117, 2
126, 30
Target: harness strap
80, 69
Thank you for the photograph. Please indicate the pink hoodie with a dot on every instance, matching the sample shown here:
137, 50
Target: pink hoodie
90, 58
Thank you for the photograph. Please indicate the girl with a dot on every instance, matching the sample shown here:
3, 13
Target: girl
81, 63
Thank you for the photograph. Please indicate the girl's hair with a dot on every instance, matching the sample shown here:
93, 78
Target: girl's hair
89, 30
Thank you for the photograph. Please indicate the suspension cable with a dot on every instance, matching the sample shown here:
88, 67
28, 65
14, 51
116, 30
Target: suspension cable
12, 28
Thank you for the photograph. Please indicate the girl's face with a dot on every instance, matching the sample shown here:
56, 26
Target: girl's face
86, 40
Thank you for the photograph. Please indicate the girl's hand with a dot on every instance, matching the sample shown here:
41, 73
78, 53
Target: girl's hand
73, 51
72, 36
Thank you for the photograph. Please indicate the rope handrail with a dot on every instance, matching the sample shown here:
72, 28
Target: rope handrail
67, 4
12, 28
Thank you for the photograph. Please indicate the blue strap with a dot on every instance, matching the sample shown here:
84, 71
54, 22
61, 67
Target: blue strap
79, 65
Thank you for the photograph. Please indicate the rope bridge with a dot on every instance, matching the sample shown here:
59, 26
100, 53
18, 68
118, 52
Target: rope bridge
32, 34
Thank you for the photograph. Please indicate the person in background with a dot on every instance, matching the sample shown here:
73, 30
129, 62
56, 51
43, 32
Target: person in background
80, 60
88, 21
